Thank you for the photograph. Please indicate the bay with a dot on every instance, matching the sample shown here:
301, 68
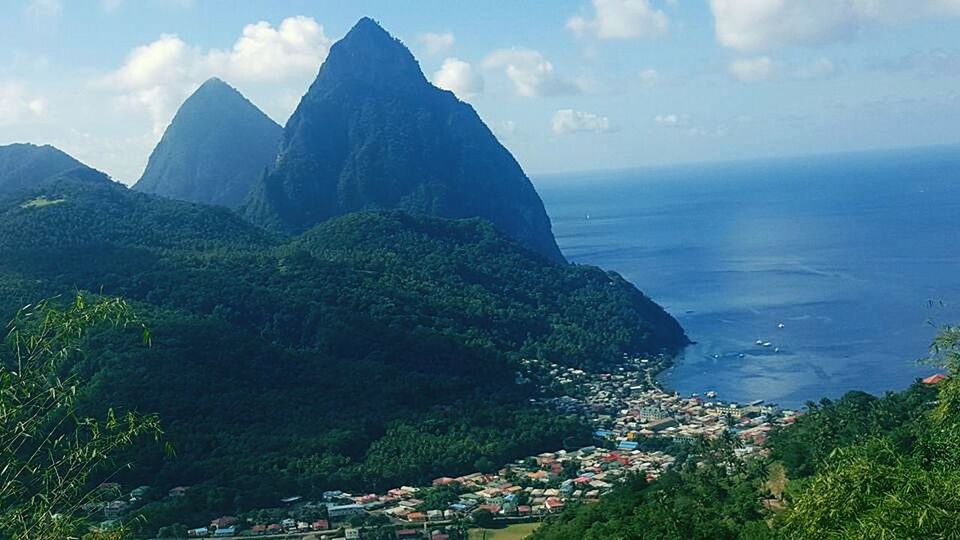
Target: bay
844, 264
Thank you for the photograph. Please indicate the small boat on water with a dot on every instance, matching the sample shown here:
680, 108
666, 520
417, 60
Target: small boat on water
767, 344
711, 394
780, 325
759, 342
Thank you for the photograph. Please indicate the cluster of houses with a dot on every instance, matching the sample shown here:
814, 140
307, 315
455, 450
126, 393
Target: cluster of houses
528, 487
111, 502
655, 413
625, 406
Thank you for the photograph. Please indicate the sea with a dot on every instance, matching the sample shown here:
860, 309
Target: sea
798, 278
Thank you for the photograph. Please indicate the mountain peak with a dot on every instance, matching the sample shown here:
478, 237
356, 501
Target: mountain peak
372, 133
368, 53
25, 165
215, 83
218, 144
369, 26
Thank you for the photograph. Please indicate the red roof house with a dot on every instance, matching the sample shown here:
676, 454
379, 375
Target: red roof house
223, 522
553, 503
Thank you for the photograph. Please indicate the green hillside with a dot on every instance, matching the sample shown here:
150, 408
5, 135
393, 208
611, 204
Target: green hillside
859, 467
375, 349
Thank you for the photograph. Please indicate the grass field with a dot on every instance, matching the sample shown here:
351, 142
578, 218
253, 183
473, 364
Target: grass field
40, 202
512, 532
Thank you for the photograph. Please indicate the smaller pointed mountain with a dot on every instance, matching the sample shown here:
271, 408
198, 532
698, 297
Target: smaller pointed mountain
372, 133
217, 146
23, 166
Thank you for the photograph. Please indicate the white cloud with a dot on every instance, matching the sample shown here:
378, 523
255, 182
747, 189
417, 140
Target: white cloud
299, 45
763, 68
44, 8
755, 25
649, 77
157, 77
506, 127
17, 105
947, 7
620, 19
821, 68
566, 121
925, 63
670, 119
753, 69
459, 77
168, 58
718, 131
110, 5
681, 123
436, 43
531, 73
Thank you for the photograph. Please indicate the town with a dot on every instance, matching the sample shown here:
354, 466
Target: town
636, 423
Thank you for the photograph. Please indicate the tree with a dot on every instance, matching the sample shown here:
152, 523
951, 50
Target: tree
876, 489
173, 531
47, 451
483, 519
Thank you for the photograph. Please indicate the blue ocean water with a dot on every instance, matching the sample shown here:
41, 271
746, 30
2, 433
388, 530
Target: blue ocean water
856, 256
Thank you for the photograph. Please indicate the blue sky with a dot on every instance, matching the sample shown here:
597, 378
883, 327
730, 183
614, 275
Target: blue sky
566, 85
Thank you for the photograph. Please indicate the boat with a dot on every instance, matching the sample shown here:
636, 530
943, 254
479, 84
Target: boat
711, 394
759, 342
767, 344
781, 325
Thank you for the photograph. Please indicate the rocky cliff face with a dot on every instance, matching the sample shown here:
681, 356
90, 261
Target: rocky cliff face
373, 133
217, 146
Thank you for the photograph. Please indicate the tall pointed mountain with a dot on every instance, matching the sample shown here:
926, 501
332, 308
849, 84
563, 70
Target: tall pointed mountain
216, 147
373, 133
23, 166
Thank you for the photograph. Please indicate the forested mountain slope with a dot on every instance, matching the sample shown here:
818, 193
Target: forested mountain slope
284, 365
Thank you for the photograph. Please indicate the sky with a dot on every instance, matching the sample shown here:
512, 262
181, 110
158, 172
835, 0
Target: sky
566, 85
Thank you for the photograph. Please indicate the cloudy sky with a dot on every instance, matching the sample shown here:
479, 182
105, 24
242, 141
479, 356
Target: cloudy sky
566, 85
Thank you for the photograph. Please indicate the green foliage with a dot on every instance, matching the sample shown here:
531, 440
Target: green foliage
375, 350
483, 519
872, 490
440, 497
805, 446
40, 202
711, 494
883, 488
48, 451
23, 166
859, 467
